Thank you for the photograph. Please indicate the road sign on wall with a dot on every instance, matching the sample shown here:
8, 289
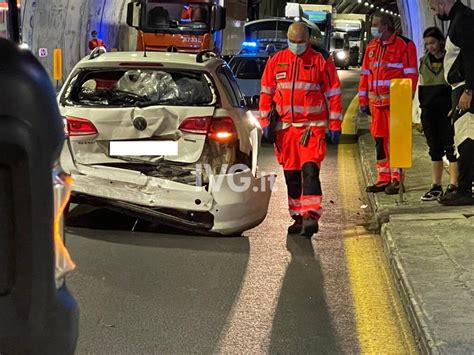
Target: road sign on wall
43, 52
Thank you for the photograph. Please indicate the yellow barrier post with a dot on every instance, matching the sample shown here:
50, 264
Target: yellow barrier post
349, 123
57, 65
400, 148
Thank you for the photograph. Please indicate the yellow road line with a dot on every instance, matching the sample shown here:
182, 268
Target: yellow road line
349, 124
382, 327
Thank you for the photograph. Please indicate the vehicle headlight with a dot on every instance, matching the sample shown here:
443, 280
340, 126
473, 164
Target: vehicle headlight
341, 55
24, 46
62, 184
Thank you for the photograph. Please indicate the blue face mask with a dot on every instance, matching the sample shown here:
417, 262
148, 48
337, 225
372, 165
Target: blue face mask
297, 48
375, 32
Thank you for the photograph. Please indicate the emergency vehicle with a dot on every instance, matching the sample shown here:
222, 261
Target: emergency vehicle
321, 16
355, 27
248, 67
188, 25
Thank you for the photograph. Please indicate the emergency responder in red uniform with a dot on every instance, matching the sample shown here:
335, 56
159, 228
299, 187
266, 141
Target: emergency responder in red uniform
305, 90
388, 56
95, 42
186, 13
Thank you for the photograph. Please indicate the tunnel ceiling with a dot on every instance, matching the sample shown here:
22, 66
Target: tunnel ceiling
353, 6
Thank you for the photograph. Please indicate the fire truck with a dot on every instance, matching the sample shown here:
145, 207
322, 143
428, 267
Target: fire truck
188, 25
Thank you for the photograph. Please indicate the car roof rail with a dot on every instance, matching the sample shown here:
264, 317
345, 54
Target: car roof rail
202, 56
97, 51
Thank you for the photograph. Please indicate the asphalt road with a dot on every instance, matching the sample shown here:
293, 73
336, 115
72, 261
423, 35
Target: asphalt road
156, 290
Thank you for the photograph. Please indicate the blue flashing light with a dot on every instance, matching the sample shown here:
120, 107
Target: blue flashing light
250, 45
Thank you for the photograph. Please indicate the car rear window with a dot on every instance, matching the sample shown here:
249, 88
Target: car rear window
139, 87
248, 68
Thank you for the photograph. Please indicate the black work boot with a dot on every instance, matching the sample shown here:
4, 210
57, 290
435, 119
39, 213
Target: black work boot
377, 187
456, 198
393, 188
310, 227
297, 225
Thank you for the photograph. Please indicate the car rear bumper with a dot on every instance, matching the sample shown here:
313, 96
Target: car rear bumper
231, 204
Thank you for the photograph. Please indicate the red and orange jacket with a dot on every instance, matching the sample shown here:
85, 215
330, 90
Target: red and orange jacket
393, 59
305, 89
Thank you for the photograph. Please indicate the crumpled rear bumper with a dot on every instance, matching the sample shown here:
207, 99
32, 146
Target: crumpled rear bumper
231, 204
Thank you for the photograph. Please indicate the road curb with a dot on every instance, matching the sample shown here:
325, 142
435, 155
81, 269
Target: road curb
416, 316
413, 310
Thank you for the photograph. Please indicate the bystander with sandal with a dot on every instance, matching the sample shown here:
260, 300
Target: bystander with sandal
459, 73
434, 94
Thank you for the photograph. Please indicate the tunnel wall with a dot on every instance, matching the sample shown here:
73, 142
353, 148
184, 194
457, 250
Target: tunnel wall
67, 24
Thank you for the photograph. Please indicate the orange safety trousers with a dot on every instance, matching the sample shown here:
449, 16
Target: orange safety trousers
380, 131
301, 164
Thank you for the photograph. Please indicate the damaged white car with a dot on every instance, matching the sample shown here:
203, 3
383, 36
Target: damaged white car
164, 137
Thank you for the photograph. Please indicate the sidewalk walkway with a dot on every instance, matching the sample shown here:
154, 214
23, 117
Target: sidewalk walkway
430, 250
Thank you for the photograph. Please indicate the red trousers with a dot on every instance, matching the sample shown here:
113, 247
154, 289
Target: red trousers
380, 131
301, 164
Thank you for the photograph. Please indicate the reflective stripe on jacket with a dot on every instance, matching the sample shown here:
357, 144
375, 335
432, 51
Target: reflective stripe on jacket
303, 88
393, 59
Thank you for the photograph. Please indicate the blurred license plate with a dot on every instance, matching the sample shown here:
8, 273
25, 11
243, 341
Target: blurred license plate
143, 148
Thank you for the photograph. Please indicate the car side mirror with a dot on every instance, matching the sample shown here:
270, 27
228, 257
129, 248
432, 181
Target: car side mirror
133, 14
218, 19
251, 102
37, 315
246, 102
255, 101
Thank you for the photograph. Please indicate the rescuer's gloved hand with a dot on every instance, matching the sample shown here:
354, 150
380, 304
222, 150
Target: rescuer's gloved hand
365, 109
334, 136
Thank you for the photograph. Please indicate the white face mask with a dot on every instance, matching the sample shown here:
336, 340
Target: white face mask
297, 48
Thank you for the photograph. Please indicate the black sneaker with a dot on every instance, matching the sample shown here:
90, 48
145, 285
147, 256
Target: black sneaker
310, 227
393, 188
297, 225
433, 194
456, 198
451, 188
377, 187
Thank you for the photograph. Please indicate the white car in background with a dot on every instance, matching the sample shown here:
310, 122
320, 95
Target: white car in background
166, 137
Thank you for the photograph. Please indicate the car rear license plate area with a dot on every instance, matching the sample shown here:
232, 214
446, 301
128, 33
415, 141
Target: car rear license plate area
143, 148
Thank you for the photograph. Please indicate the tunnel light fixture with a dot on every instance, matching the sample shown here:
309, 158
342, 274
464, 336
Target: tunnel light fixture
372, 6
359, 1
366, 4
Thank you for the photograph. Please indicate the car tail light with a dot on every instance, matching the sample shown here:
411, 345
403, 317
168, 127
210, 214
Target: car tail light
80, 127
62, 184
222, 130
196, 125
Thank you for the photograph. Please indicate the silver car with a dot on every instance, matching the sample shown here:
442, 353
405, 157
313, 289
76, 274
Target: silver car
166, 137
